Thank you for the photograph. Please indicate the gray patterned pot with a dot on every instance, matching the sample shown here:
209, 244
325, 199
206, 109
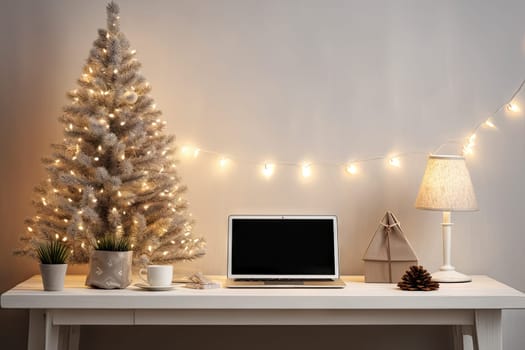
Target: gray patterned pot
53, 276
109, 270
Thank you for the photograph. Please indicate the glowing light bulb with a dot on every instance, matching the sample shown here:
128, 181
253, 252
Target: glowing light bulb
223, 162
90, 70
472, 138
115, 71
468, 150
489, 124
306, 169
513, 107
196, 152
351, 169
119, 194
268, 169
57, 236
29, 229
133, 52
395, 162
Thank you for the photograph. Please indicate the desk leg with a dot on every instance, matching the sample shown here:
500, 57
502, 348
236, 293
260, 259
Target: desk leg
37, 327
463, 337
488, 330
52, 333
69, 337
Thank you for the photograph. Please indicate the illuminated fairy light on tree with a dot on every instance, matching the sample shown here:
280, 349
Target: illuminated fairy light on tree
114, 174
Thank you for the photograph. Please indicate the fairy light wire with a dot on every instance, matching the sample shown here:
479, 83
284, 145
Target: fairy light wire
496, 114
467, 142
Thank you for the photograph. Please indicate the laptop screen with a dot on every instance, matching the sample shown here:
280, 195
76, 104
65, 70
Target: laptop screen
267, 247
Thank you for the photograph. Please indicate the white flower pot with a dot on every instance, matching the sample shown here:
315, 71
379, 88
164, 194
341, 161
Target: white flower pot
109, 270
53, 276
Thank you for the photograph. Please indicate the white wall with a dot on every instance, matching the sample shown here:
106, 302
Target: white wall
289, 80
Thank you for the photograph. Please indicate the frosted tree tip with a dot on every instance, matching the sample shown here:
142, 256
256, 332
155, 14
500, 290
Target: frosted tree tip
113, 8
113, 17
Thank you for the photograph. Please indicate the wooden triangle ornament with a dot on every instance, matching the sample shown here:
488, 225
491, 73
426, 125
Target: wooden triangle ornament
389, 253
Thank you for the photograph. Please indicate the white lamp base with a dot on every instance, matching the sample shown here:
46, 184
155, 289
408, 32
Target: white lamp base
450, 276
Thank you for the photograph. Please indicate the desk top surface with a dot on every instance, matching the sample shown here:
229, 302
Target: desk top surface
482, 293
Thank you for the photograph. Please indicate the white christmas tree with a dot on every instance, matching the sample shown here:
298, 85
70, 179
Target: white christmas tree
114, 173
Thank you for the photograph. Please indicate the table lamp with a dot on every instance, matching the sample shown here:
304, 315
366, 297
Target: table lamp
446, 187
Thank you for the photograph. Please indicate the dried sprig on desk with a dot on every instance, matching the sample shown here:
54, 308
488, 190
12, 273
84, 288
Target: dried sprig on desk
199, 281
417, 278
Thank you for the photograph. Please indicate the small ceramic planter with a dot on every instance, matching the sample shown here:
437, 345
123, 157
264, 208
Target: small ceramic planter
109, 270
53, 276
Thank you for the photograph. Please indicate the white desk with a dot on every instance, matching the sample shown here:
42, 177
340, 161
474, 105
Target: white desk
474, 309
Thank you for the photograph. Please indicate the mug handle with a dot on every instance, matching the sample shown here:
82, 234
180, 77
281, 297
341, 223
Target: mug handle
143, 274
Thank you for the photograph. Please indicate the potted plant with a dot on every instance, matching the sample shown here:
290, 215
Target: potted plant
110, 265
53, 256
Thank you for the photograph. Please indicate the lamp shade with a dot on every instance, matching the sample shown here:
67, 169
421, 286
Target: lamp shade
446, 185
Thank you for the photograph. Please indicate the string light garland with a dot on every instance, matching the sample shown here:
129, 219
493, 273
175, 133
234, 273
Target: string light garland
353, 167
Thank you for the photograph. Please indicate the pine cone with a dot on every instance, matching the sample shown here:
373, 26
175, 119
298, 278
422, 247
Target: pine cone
417, 278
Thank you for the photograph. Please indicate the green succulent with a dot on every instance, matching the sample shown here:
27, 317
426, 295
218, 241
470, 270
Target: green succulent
113, 244
53, 252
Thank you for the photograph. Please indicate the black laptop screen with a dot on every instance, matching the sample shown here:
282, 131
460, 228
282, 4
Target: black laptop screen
283, 246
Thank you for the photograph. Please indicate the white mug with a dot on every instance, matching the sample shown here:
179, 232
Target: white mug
157, 275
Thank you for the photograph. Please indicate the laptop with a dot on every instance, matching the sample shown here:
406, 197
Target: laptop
283, 252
